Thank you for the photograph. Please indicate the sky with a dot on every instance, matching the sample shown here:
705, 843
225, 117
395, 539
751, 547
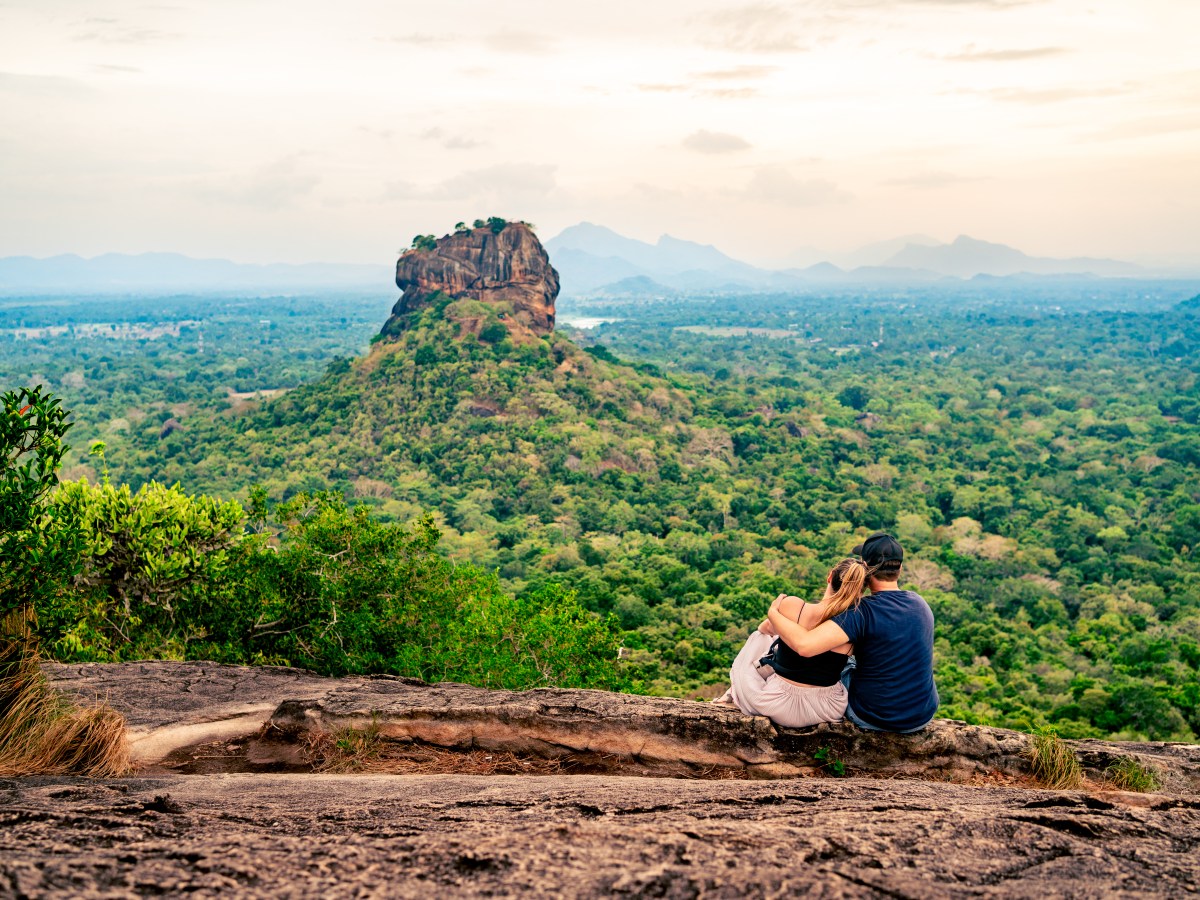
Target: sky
304, 131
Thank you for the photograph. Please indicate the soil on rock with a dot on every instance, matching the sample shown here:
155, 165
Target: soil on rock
585, 836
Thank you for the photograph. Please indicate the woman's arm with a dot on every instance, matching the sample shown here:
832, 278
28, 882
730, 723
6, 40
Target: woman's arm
804, 641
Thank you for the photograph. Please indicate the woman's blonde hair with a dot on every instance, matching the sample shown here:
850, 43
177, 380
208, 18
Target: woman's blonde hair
848, 580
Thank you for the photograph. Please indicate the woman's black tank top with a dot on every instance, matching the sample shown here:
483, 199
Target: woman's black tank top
822, 670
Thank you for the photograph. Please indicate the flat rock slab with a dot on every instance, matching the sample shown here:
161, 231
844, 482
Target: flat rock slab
585, 836
170, 705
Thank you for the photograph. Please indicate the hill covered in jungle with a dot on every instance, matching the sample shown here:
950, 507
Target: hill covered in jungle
675, 463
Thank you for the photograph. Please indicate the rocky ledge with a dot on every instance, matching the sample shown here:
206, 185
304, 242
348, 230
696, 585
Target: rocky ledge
171, 706
505, 267
584, 836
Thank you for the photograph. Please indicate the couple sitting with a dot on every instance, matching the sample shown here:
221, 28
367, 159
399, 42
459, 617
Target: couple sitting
867, 659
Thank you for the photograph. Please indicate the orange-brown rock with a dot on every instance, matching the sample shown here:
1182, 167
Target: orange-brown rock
508, 268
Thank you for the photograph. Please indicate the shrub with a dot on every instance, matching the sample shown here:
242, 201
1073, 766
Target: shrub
38, 549
151, 559
41, 732
493, 332
345, 593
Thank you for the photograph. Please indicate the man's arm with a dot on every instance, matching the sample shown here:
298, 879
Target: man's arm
804, 641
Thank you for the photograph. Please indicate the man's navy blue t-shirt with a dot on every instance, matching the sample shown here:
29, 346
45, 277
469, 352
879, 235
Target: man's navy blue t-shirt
892, 687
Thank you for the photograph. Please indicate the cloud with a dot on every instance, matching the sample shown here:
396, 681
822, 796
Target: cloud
271, 187
522, 43
704, 141
1151, 126
990, 4
451, 141
662, 88
504, 183
970, 54
418, 39
756, 27
384, 134
114, 31
108, 67
43, 85
525, 43
778, 186
1040, 96
930, 180
738, 73
743, 93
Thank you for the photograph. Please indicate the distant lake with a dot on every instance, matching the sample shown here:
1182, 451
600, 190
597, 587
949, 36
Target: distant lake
584, 322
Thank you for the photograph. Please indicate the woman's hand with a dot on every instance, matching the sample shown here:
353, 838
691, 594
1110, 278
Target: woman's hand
765, 627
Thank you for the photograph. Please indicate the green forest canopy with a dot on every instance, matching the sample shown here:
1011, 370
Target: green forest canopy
1036, 453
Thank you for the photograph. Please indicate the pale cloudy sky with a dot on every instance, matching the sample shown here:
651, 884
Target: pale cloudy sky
300, 131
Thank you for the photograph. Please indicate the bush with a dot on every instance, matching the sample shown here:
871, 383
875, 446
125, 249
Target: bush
151, 559
38, 548
493, 332
345, 593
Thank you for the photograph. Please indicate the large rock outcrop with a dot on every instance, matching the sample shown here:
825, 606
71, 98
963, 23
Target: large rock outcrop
505, 267
250, 832
174, 705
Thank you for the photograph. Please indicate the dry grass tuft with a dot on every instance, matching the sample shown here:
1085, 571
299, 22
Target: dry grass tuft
42, 732
1054, 764
345, 750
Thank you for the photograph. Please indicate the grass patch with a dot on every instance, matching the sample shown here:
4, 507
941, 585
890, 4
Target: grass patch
1054, 764
346, 750
42, 732
1128, 774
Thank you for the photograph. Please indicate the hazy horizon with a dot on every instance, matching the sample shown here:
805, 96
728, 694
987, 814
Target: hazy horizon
262, 134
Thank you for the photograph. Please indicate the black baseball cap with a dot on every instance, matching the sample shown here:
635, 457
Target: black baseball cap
879, 548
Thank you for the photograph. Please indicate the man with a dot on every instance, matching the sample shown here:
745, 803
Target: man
891, 688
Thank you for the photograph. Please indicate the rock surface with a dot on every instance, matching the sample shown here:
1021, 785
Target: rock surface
585, 836
509, 269
173, 705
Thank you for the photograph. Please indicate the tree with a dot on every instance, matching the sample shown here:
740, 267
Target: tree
37, 548
149, 558
41, 732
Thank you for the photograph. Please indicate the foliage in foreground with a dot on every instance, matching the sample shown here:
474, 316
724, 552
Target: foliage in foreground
37, 547
41, 731
329, 588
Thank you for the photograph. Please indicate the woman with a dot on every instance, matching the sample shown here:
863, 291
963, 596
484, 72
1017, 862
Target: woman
797, 691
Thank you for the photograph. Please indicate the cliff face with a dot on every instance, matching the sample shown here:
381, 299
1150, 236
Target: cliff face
509, 269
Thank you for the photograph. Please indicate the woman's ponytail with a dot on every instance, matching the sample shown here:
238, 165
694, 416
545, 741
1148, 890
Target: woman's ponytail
848, 579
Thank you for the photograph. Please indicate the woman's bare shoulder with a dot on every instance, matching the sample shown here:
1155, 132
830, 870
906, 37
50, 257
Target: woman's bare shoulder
812, 614
792, 608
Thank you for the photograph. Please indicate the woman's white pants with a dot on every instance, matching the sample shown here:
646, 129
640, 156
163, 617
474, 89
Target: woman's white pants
783, 702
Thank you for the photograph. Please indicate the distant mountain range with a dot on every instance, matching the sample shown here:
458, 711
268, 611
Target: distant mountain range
594, 259
591, 259
123, 273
